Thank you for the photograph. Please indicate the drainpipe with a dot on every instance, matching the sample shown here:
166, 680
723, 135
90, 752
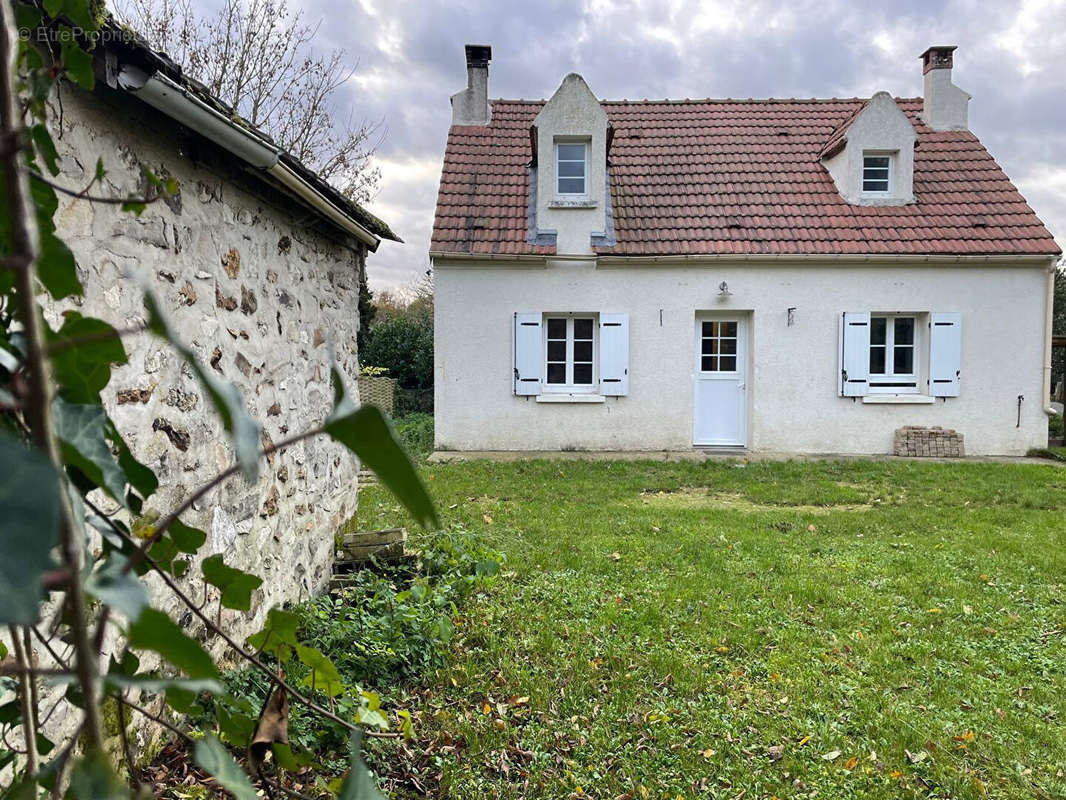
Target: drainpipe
1049, 310
160, 92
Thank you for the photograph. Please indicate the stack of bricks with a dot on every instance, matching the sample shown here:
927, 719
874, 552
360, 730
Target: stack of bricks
914, 440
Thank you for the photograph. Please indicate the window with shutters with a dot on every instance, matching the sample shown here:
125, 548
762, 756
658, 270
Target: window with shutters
893, 354
570, 343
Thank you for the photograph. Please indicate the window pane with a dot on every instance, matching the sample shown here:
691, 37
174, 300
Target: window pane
729, 329
878, 326
582, 374
877, 360
709, 363
904, 330
710, 347
727, 364
903, 361
571, 169
571, 152
556, 328
729, 346
582, 328
708, 329
557, 351
557, 373
874, 185
571, 185
582, 351
876, 161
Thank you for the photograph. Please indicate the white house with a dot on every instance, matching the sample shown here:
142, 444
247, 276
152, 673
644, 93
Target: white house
778, 275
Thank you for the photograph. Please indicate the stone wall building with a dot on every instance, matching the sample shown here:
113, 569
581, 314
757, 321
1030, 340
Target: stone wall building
257, 264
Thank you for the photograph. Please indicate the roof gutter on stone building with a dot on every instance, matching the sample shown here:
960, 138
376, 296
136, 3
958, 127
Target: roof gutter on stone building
169, 97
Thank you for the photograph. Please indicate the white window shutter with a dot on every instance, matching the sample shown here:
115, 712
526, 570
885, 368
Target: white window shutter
614, 354
854, 350
945, 353
528, 352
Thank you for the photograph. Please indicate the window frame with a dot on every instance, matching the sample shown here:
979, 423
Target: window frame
719, 354
585, 146
889, 381
569, 387
890, 170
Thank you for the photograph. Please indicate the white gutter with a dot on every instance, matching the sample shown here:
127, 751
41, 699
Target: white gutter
160, 92
1049, 312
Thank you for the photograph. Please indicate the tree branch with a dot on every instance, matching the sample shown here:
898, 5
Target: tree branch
25, 696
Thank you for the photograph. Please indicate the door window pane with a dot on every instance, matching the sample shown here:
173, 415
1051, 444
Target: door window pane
903, 361
727, 364
582, 374
557, 373
583, 329
556, 328
877, 360
904, 330
878, 330
709, 364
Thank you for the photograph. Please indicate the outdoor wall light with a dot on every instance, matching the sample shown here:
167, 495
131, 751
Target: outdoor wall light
723, 289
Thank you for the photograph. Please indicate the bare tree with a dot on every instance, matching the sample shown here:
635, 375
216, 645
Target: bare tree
257, 56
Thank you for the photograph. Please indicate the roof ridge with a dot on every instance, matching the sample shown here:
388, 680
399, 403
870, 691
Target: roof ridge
722, 100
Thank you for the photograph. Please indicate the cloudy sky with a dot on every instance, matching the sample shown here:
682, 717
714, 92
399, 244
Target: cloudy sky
1011, 58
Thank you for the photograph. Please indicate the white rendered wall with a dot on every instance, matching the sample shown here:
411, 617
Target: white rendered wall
793, 402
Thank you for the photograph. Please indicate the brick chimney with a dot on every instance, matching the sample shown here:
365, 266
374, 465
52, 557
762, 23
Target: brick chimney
471, 106
945, 105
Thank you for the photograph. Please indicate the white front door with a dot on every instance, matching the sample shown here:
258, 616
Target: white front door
721, 410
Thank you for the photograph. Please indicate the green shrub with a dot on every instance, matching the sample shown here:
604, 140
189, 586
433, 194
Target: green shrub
416, 433
1054, 427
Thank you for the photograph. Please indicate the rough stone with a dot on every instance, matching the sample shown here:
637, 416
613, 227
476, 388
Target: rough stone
921, 442
124, 396
248, 301
188, 294
231, 262
222, 301
179, 438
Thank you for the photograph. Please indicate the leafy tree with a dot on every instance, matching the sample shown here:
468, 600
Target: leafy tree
404, 345
1058, 325
58, 447
257, 56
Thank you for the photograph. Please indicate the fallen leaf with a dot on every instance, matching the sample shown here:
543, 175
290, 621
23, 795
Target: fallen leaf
851, 763
708, 753
811, 528
832, 755
616, 556
487, 518
803, 741
776, 752
486, 709
935, 611
916, 758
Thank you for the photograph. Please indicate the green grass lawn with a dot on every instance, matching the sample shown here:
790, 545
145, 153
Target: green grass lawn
858, 629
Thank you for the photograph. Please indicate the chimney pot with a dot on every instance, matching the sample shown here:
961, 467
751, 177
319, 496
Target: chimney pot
478, 55
938, 57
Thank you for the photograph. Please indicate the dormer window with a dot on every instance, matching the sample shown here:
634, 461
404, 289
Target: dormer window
571, 169
876, 173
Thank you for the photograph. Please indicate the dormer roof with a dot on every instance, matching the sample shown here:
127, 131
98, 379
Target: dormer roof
682, 170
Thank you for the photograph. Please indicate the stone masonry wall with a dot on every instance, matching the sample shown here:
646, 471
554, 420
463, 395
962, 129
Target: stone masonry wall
935, 442
258, 295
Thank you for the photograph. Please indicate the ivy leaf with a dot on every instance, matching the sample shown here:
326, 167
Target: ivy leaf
342, 401
82, 430
236, 722
29, 526
46, 147
137, 474
188, 540
84, 350
358, 785
278, 636
56, 268
78, 63
213, 757
156, 684
227, 400
368, 434
53, 7
94, 779
236, 586
157, 632
118, 589
288, 760
324, 676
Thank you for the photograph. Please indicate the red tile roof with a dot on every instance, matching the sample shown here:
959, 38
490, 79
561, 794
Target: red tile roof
683, 173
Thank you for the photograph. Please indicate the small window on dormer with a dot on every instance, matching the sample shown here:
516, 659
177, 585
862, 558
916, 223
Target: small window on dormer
876, 173
571, 168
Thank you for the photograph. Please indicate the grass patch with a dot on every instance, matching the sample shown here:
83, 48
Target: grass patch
664, 630
1052, 453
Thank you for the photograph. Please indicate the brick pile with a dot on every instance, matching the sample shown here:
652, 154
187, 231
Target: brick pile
936, 442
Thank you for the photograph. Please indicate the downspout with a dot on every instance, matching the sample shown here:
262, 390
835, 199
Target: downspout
160, 92
1049, 311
